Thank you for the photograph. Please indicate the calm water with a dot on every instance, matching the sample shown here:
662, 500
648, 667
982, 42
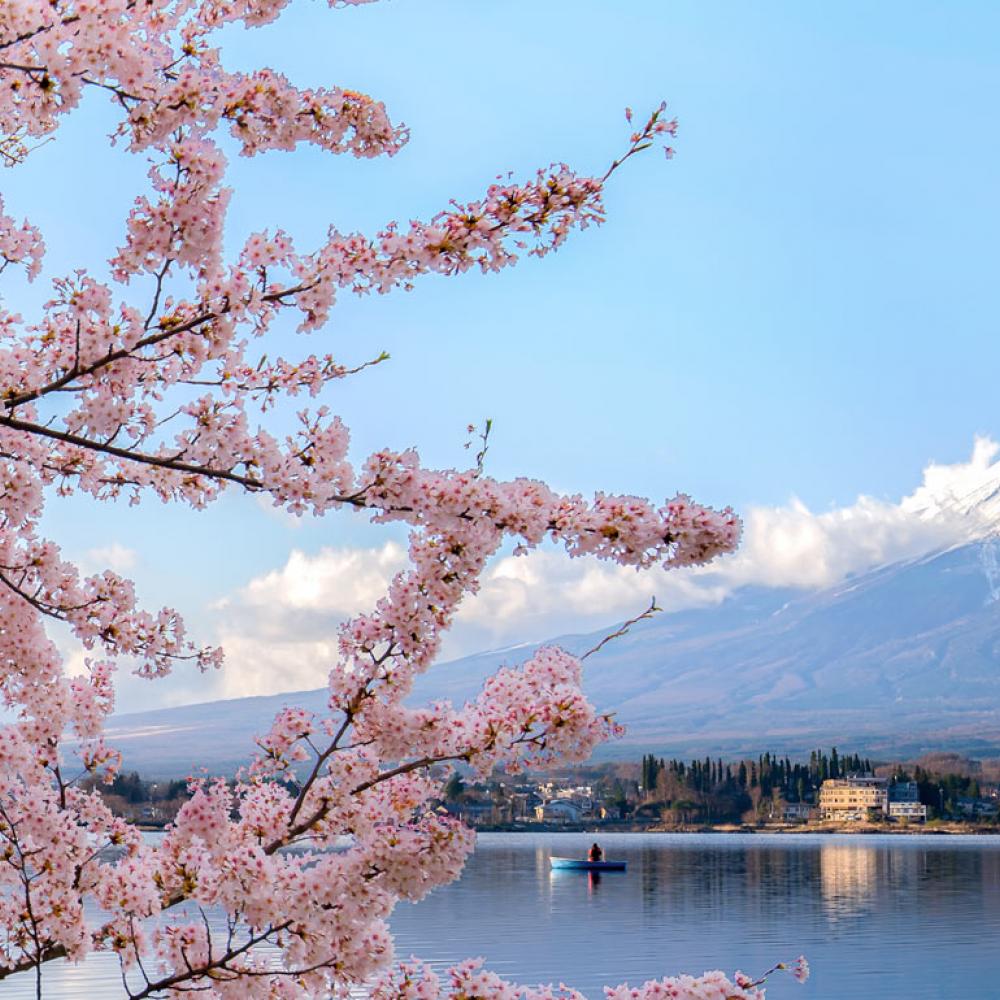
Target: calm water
914, 917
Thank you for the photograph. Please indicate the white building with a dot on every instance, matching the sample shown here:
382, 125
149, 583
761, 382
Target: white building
914, 812
853, 798
558, 811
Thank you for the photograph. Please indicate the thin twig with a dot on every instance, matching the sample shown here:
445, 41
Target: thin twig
648, 613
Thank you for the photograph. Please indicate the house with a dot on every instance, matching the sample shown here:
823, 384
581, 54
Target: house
904, 802
472, 811
523, 804
853, 798
795, 812
912, 812
904, 791
558, 811
978, 808
581, 795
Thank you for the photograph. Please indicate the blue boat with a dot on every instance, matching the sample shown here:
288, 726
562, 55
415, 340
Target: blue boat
578, 865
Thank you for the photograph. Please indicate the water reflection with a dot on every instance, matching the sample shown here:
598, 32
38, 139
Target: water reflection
902, 913
893, 916
848, 878
568, 882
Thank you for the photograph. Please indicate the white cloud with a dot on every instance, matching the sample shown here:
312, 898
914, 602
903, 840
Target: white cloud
280, 629
74, 655
268, 664
332, 582
964, 491
115, 557
545, 594
792, 546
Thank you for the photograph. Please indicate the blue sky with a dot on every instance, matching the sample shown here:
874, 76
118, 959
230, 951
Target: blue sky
802, 303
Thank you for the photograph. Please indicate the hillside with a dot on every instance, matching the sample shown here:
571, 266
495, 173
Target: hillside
900, 660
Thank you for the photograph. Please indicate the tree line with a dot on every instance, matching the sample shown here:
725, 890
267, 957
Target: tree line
769, 773
713, 791
941, 793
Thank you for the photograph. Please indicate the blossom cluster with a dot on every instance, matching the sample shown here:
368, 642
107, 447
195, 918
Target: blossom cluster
20, 245
415, 980
156, 382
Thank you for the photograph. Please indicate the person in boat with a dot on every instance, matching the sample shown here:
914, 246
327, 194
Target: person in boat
595, 853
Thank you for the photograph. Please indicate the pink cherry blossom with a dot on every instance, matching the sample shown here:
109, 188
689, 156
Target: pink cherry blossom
156, 383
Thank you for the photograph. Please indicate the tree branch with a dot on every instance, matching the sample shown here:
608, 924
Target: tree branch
648, 613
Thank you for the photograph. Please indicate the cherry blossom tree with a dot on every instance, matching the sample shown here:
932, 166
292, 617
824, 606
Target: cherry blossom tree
155, 383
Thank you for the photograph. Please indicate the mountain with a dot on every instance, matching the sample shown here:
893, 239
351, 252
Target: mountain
897, 661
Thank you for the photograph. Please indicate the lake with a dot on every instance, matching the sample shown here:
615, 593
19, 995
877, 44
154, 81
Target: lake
895, 916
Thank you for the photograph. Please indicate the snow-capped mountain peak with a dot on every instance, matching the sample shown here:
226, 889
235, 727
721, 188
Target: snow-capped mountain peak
969, 492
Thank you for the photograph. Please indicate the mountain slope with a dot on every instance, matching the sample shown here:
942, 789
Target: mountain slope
899, 660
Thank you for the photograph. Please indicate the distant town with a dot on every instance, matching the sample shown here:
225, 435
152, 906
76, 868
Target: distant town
829, 790
826, 792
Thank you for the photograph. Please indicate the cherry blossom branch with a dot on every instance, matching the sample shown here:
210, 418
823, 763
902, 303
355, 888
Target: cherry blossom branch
123, 372
52, 610
161, 462
42, 29
645, 137
624, 629
165, 331
213, 969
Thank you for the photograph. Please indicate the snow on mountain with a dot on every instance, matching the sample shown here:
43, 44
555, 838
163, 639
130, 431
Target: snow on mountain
969, 492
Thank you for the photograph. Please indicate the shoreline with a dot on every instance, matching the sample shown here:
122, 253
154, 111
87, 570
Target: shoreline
792, 830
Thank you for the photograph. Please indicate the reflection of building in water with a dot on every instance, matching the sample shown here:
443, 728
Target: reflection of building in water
848, 877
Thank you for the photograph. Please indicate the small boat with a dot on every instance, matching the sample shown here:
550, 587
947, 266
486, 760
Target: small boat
580, 865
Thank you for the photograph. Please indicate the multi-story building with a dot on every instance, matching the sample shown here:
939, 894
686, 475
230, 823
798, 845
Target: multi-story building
904, 791
914, 812
855, 797
904, 802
